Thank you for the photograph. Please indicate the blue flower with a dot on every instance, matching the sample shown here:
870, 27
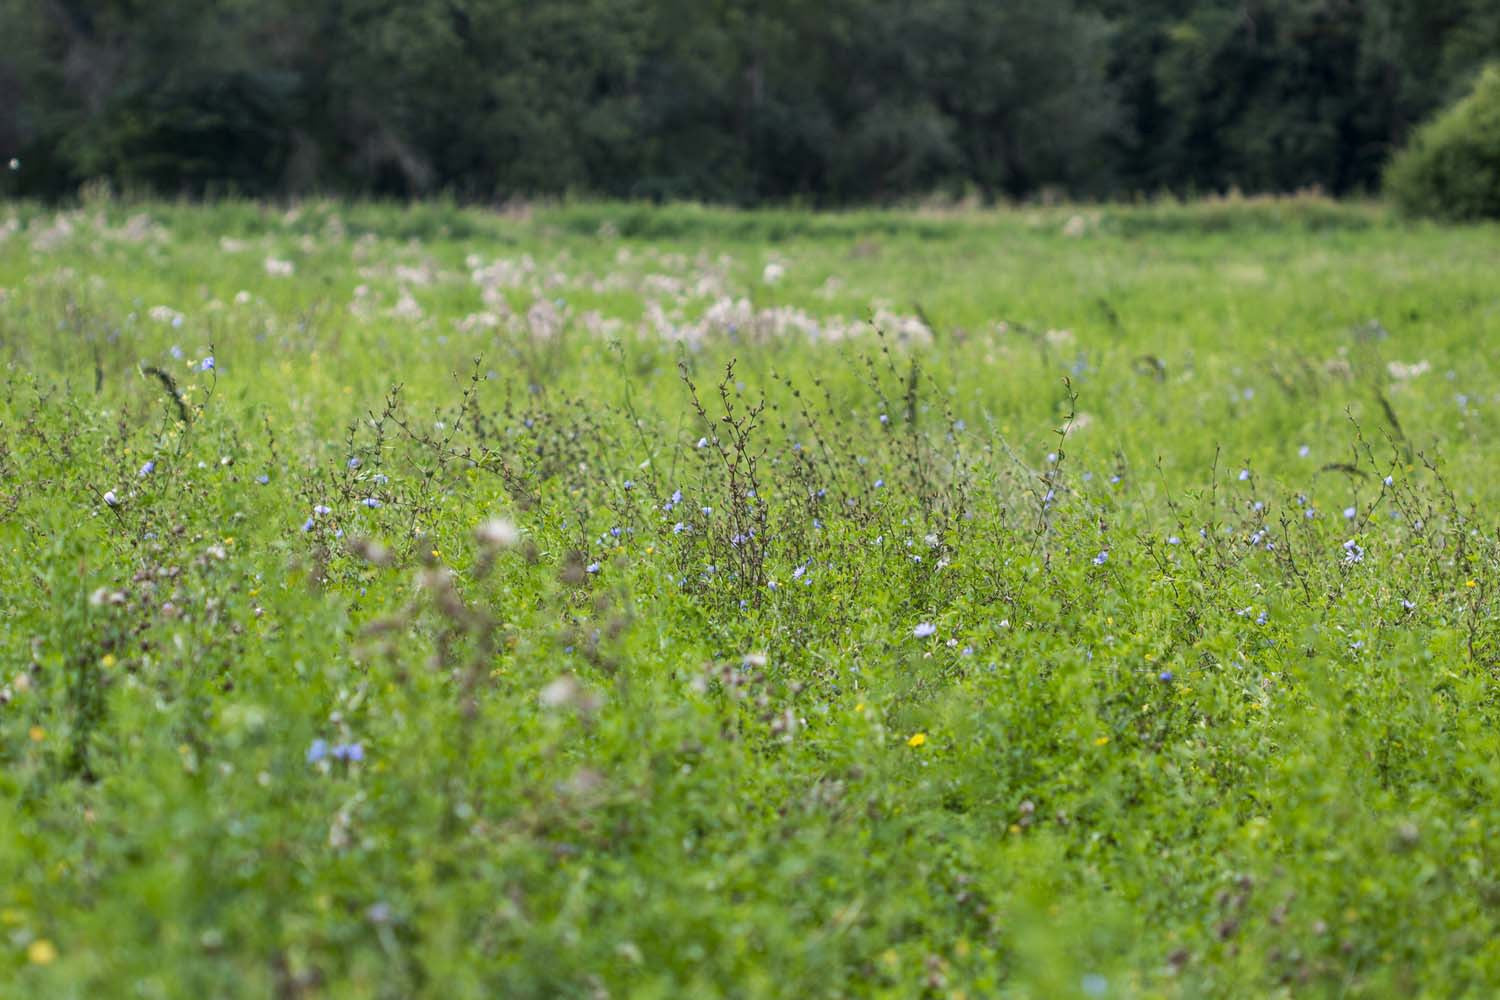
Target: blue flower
1165, 676
263, 479
1102, 557
923, 630
207, 364
593, 567
353, 752
371, 502
354, 462
317, 751
148, 468
307, 525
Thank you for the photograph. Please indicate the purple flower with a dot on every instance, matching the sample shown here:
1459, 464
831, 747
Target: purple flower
307, 525
317, 751
371, 502
148, 468
322, 509
354, 462
593, 567
1102, 557
263, 479
207, 364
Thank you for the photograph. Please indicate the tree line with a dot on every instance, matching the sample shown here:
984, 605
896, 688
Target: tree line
741, 101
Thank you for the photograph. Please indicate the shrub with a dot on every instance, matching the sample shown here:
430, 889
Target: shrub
1451, 169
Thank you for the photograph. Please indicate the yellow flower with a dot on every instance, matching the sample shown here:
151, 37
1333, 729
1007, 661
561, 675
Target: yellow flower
1101, 741
917, 739
108, 661
1471, 583
37, 734
860, 708
41, 952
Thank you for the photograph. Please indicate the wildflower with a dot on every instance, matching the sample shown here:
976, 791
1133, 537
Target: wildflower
148, 468
207, 364
263, 479
1166, 677
354, 462
320, 509
111, 499
307, 525
498, 533
916, 739
41, 951
628, 484
1353, 552
593, 567
880, 484
1102, 557
1173, 540
371, 502
703, 442
1350, 513
351, 752
923, 630
679, 528
1304, 451
797, 573
884, 419
1388, 480
1244, 474
317, 751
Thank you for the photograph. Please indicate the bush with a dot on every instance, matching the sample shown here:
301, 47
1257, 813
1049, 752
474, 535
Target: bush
1451, 169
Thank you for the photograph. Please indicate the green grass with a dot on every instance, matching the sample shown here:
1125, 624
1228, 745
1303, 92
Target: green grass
1170, 736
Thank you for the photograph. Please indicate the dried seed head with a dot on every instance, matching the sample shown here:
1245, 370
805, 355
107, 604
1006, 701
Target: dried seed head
498, 533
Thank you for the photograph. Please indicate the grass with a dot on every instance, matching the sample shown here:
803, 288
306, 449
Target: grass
592, 601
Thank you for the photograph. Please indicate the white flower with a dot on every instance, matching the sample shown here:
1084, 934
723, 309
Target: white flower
923, 630
111, 499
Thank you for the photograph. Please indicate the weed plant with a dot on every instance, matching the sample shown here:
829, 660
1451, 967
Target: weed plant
592, 601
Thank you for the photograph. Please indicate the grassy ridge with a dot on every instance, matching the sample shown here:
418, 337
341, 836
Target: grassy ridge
1118, 620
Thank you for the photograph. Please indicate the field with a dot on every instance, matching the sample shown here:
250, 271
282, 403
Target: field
595, 600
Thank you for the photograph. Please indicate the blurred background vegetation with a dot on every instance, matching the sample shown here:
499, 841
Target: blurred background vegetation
736, 101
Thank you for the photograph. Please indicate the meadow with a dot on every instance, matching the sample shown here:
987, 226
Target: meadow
595, 600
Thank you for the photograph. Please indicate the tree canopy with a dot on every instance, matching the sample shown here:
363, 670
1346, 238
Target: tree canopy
727, 100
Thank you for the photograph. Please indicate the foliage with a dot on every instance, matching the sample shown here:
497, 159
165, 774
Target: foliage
731, 101
1451, 170
417, 601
